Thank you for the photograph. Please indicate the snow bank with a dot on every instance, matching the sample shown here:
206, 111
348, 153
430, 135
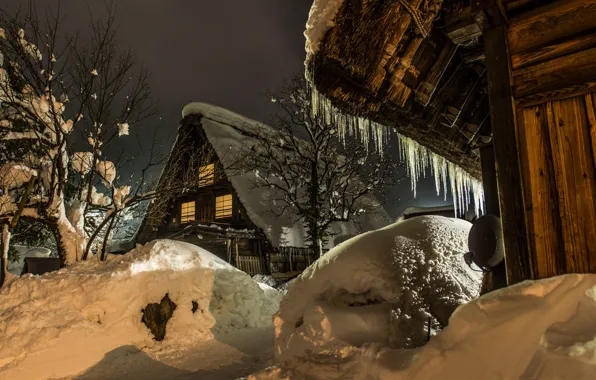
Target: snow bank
64, 322
382, 286
535, 330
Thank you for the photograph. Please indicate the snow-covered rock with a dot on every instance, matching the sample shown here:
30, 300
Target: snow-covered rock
382, 286
536, 330
64, 322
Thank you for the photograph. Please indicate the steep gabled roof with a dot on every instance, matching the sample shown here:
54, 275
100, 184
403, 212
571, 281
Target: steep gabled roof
231, 134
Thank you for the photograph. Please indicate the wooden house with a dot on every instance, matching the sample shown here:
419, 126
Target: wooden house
504, 89
221, 209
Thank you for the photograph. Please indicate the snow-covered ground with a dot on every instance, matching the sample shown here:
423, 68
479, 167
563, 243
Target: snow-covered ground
383, 286
543, 330
71, 321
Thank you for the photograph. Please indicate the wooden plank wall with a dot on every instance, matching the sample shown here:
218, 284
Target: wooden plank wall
553, 58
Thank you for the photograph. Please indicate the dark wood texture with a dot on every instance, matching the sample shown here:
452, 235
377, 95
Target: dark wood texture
557, 50
562, 72
426, 89
557, 94
553, 21
509, 177
575, 178
540, 193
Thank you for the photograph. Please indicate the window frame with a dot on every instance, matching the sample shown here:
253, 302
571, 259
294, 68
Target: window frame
207, 175
224, 208
188, 216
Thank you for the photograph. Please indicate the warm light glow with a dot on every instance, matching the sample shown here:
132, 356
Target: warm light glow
187, 212
206, 175
223, 206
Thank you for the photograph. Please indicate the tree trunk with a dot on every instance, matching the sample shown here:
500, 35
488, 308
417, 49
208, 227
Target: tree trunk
4, 259
314, 229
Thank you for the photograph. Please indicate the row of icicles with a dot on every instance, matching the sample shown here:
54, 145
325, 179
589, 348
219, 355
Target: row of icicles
418, 159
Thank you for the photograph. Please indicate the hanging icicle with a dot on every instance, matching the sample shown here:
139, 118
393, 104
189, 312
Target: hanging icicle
465, 189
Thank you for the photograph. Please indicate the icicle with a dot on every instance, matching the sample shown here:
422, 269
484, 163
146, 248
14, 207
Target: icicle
418, 159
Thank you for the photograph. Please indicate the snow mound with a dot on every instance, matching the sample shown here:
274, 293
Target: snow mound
536, 330
265, 279
79, 313
382, 286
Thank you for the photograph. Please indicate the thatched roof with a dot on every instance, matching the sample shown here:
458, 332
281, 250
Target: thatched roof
403, 64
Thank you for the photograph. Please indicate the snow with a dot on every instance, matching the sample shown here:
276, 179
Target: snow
123, 129
320, 19
82, 162
230, 134
534, 330
7, 204
265, 279
119, 196
13, 175
64, 322
107, 170
381, 287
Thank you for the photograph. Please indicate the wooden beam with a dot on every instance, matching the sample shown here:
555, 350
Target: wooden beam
558, 94
545, 53
571, 70
509, 179
426, 89
496, 279
551, 22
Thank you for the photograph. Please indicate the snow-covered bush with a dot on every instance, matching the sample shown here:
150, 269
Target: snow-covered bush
383, 286
536, 330
80, 313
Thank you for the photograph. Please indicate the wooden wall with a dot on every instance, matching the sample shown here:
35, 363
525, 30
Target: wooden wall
552, 52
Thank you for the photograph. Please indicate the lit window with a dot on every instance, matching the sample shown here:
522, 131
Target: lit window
223, 206
206, 175
187, 212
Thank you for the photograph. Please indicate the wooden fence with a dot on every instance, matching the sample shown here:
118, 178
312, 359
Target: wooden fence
283, 262
252, 265
290, 260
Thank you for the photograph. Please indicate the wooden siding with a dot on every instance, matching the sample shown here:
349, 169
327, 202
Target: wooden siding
553, 55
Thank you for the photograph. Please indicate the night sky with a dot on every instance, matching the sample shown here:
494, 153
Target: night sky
226, 52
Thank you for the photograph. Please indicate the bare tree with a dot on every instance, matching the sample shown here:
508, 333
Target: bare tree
55, 91
314, 174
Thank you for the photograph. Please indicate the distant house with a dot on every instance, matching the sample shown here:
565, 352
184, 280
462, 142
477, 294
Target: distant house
224, 212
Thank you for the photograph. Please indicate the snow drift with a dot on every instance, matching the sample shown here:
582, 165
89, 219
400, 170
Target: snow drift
78, 314
382, 286
542, 330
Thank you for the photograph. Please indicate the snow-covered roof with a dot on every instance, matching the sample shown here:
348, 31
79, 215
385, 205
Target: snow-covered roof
230, 134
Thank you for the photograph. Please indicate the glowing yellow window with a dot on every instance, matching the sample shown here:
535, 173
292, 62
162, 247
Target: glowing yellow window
223, 206
206, 175
187, 212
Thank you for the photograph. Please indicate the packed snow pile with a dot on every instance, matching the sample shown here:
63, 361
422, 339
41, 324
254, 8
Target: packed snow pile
536, 330
384, 286
65, 321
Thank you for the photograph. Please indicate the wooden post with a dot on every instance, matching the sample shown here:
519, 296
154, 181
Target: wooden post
509, 179
496, 279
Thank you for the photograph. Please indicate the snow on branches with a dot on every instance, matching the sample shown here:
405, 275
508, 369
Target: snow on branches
45, 93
